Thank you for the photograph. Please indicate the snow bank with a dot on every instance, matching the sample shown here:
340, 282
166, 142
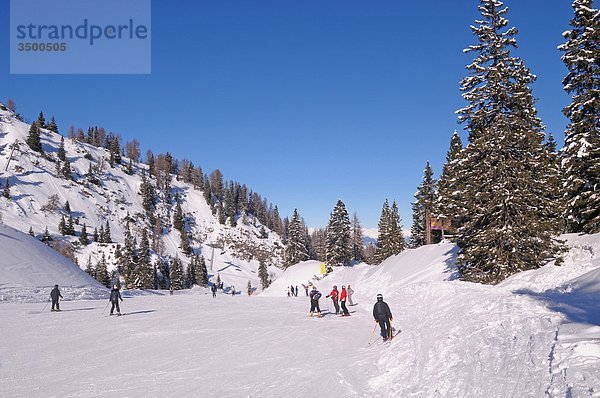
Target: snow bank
305, 272
28, 269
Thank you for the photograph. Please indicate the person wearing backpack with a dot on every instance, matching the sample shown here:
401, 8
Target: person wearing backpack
383, 316
315, 295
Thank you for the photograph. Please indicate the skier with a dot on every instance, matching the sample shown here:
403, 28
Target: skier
343, 297
213, 289
315, 295
350, 293
292, 291
383, 316
171, 291
305, 289
55, 294
232, 290
115, 296
296, 291
334, 297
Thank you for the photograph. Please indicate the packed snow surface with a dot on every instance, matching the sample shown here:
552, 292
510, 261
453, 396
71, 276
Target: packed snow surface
527, 337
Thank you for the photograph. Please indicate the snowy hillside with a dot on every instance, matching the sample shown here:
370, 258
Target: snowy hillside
465, 339
30, 269
116, 200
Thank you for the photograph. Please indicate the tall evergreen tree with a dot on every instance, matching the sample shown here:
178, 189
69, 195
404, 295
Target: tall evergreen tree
339, 239
89, 268
503, 169
581, 152
41, 120
358, 244
176, 274
102, 275
390, 239
128, 260
425, 197
70, 228
66, 169
83, 236
61, 150
52, 126
33, 138
62, 226
396, 235
46, 238
263, 275
106, 237
201, 273
144, 267
185, 243
178, 222
448, 204
296, 250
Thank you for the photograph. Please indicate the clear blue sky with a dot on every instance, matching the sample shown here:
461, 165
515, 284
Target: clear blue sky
304, 101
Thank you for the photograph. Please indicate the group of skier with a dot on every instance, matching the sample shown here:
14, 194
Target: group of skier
115, 296
381, 310
340, 297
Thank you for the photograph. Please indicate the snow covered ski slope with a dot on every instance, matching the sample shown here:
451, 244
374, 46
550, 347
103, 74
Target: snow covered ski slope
535, 335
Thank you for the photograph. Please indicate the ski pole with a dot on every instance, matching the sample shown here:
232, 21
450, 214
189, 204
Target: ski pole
47, 301
391, 330
105, 307
373, 332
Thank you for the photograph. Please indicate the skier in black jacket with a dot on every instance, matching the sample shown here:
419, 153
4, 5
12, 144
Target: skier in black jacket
54, 295
213, 289
383, 316
115, 296
315, 295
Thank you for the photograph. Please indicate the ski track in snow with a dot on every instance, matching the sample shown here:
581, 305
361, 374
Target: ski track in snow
183, 345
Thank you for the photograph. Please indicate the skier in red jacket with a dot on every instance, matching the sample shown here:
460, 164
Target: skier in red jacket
334, 297
343, 297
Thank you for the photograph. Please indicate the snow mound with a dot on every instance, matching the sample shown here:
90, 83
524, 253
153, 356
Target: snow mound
29, 269
305, 273
426, 264
582, 257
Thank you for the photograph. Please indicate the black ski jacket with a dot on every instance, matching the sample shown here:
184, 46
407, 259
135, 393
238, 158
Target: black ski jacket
213, 288
115, 295
315, 295
55, 294
382, 311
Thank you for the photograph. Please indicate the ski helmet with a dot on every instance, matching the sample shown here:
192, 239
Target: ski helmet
380, 296
335, 286
55, 285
